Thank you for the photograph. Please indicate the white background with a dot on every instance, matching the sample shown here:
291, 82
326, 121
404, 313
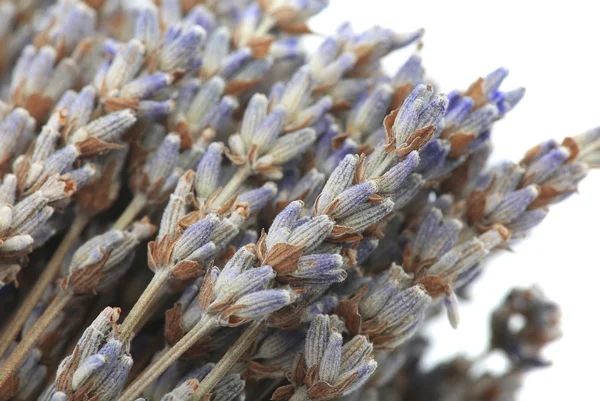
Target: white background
553, 50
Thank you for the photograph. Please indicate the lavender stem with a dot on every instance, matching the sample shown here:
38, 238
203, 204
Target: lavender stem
20, 352
204, 327
230, 358
46, 278
130, 213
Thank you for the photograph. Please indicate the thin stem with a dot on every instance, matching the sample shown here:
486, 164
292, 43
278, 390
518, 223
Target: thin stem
49, 274
143, 304
233, 354
232, 186
20, 352
204, 327
130, 213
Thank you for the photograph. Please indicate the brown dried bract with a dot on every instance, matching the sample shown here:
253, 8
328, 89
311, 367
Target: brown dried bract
173, 329
238, 88
400, 94
260, 45
546, 195
436, 286
416, 140
93, 146
283, 258
85, 280
388, 123
113, 104
476, 93
459, 142
348, 310
570, 144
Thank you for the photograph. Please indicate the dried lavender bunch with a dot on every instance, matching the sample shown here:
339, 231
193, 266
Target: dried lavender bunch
341, 168
291, 249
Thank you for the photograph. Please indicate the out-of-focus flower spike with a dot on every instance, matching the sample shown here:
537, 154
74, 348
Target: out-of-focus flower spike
170, 11
145, 86
201, 15
285, 149
40, 72
147, 27
332, 73
286, 49
311, 182
545, 166
325, 54
311, 114
180, 52
21, 68
16, 131
369, 114
63, 78
493, 80
480, 120
207, 97
234, 63
220, 116
124, 66
216, 49
451, 304
269, 129
411, 71
83, 175
297, 91
513, 205
152, 109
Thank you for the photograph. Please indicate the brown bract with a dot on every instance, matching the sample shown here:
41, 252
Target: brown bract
316, 389
282, 257
348, 310
86, 279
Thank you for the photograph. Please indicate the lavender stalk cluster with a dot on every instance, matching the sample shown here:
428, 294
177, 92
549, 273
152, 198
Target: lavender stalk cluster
306, 213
